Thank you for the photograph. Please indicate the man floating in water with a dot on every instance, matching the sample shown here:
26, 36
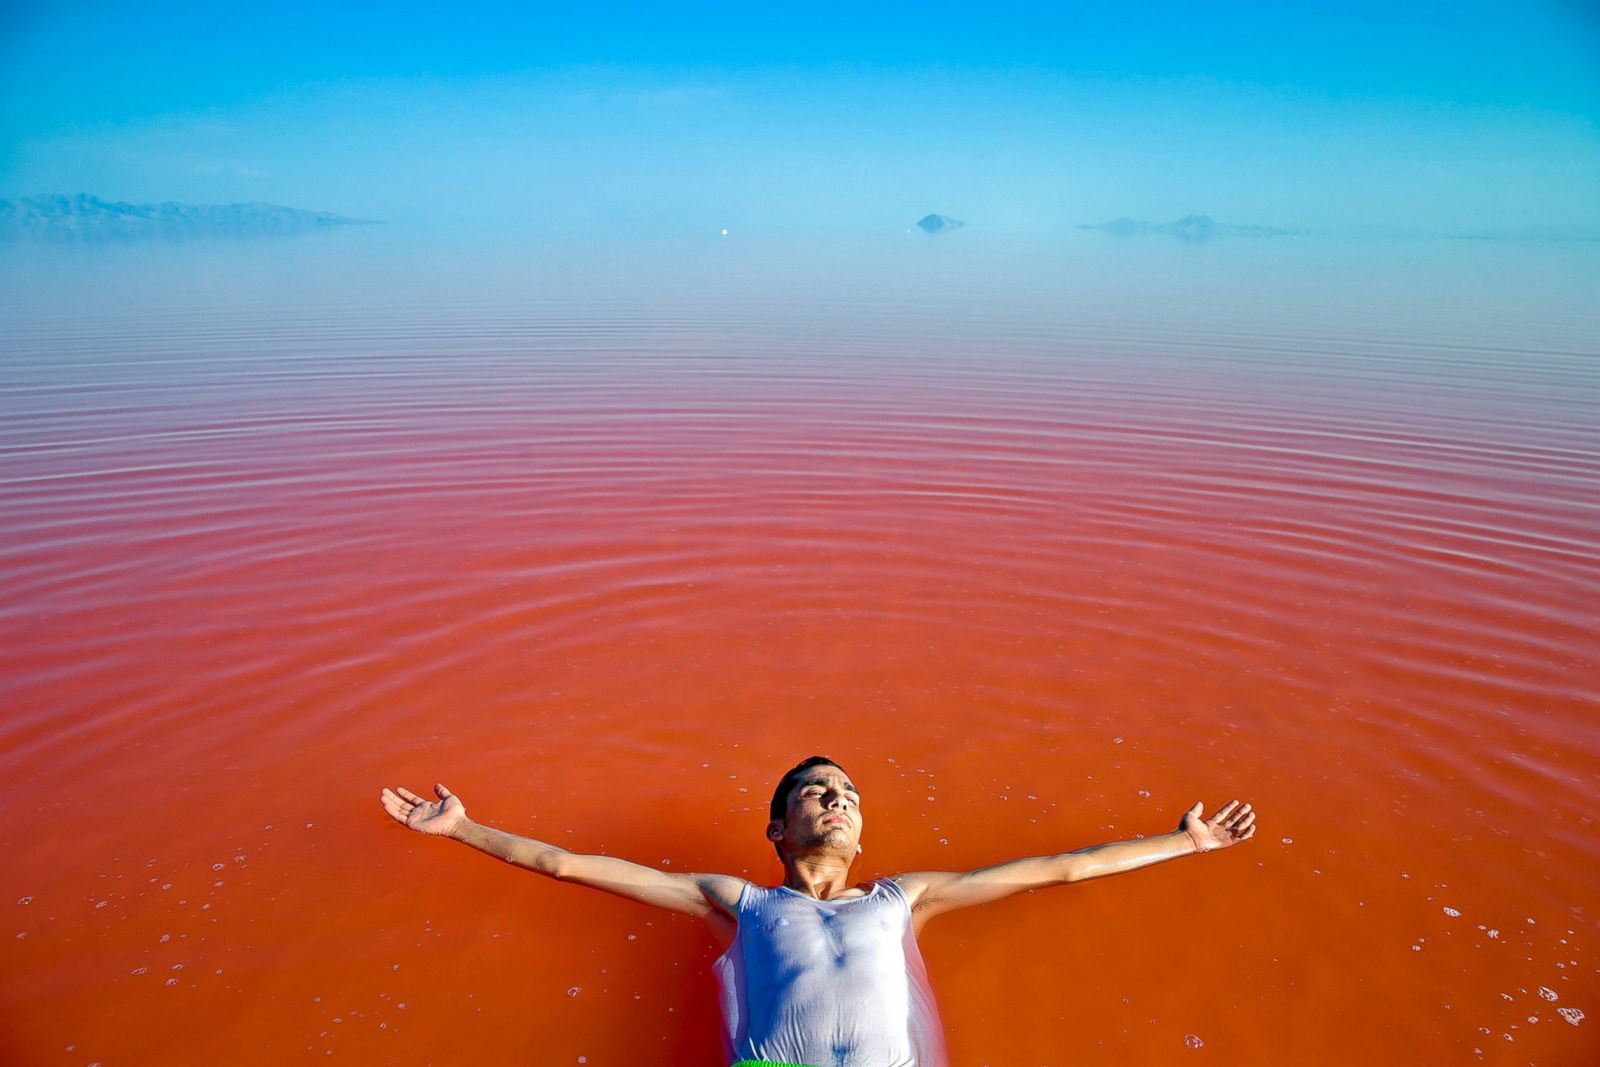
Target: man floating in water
820, 972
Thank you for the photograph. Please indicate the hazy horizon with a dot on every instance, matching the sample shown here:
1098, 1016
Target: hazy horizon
1438, 118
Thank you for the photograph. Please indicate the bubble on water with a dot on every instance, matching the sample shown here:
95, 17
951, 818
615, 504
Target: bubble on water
394, 966
1494, 934
1416, 948
102, 904
1453, 913
574, 991
166, 885
238, 859
1547, 993
1116, 740
172, 981
25, 900
401, 1006
944, 840
1506, 996
217, 866
1572, 1015
1288, 840
165, 938
1533, 1018
585, 1059
141, 970
1532, 923
1144, 793
177, 966
633, 937
1192, 1041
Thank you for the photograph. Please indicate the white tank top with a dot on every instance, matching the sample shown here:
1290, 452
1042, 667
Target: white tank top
828, 983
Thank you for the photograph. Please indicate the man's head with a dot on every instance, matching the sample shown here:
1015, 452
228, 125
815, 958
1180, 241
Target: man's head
815, 807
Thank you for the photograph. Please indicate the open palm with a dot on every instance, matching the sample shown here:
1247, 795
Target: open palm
1230, 825
437, 817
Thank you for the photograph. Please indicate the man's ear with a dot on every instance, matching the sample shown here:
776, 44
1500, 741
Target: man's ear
774, 830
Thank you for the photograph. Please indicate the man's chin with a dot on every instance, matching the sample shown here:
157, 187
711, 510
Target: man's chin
837, 840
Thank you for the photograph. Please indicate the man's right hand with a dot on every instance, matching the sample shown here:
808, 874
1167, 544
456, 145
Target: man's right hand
440, 817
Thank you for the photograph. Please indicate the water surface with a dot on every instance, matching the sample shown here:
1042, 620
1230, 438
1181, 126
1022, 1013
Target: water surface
1042, 541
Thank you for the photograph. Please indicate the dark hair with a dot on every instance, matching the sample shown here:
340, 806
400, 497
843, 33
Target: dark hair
780, 796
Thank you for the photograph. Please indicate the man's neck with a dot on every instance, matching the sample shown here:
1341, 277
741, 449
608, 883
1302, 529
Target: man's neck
822, 876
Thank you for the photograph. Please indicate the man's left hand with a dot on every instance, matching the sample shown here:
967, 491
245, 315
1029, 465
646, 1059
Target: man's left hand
1231, 824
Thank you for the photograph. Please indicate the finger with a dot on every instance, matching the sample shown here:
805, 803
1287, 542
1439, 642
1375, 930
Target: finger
1248, 834
1241, 813
1244, 824
409, 795
1224, 811
396, 808
1195, 810
441, 791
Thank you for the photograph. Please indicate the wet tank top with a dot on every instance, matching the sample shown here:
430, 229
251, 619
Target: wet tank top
828, 983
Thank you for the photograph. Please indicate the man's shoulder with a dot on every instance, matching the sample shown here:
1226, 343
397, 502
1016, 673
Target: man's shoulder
724, 890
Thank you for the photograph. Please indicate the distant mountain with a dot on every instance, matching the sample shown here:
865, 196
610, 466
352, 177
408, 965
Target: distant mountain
88, 218
939, 223
1196, 228
1532, 233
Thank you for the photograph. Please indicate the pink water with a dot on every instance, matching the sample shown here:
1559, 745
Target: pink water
1038, 573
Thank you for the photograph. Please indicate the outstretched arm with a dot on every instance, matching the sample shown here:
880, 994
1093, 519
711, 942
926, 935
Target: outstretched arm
933, 892
712, 897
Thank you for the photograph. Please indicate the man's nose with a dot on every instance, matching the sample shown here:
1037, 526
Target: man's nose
835, 799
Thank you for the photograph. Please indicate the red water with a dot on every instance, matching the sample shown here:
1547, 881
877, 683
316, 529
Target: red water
607, 574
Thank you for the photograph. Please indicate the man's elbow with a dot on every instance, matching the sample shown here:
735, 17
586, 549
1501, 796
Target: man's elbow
554, 863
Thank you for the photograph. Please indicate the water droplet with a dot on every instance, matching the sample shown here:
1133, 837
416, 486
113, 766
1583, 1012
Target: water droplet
1192, 1041
1547, 993
1453, 913
574, 991
1572, 1015
25, 900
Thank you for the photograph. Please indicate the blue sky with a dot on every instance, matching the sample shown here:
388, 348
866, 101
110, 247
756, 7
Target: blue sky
1019, 117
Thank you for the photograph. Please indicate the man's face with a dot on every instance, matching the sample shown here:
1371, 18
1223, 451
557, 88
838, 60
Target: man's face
823, 814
